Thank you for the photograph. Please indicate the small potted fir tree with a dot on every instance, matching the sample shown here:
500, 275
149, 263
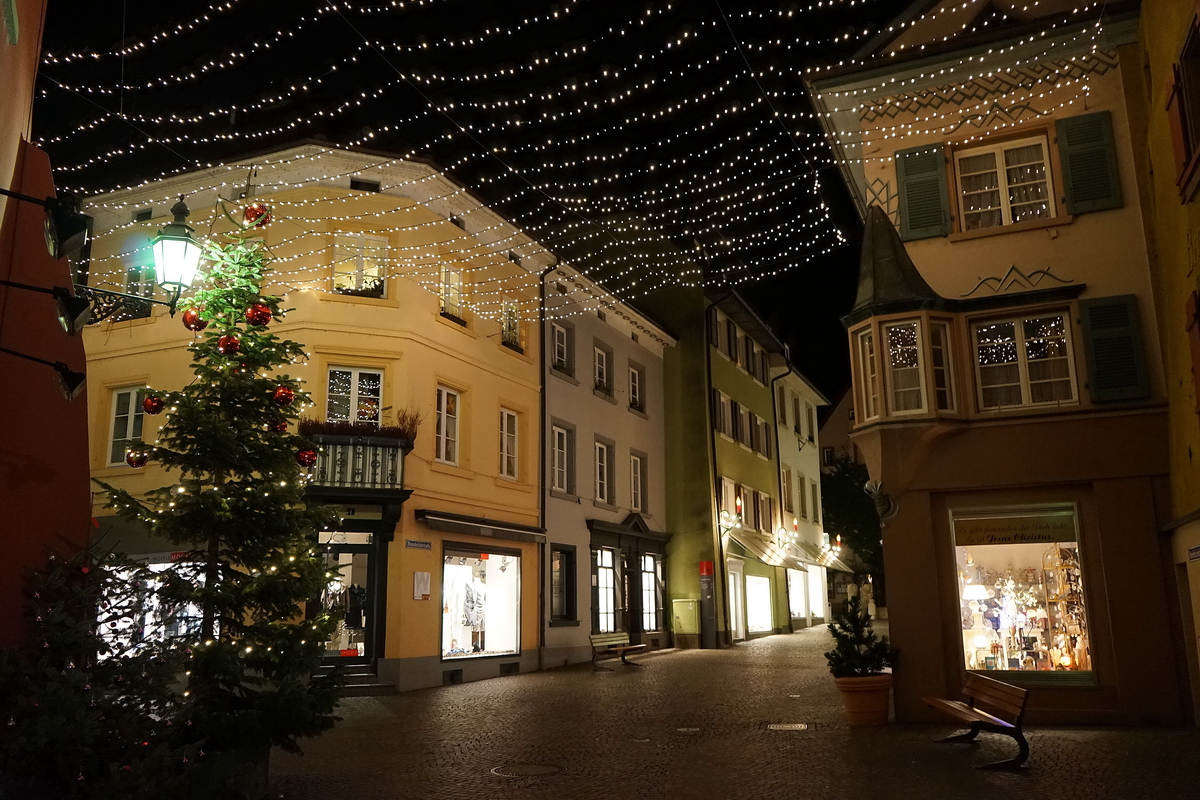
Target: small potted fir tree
860, 663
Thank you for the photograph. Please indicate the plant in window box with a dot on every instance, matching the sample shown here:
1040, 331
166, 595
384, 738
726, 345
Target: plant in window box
861, 663
370, 288
637, 405
602, 387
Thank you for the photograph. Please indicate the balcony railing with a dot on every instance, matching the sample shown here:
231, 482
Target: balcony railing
359, 462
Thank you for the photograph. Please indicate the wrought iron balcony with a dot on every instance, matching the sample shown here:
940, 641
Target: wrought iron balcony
359, 462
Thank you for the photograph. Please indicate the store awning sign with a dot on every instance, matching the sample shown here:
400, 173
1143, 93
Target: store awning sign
1024, 529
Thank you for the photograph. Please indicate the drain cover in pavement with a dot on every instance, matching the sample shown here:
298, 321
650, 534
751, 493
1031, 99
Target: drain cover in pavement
788, 726
688, 730
526, 770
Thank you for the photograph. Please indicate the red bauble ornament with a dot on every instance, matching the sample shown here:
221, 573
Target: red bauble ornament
192, 321
306, 457
258, 314
153, 405
257, 215
229, 345
136, 458
278, 426
283, 396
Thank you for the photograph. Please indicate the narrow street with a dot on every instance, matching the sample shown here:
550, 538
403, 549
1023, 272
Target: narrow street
695, 724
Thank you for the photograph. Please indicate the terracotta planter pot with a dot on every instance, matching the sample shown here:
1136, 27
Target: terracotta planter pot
866, 699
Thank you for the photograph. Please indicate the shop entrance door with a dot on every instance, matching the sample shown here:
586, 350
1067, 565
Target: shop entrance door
350, 596
737, 605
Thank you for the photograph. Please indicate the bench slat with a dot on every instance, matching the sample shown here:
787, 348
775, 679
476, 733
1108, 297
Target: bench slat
984, 683
962, 711
1000, 702
603, 639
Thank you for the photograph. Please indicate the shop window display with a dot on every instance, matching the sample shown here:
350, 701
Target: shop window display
758, 604
1021, 595
481, 604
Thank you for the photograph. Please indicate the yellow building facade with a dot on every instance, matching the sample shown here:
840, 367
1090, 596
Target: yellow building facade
411, 298
1169, 49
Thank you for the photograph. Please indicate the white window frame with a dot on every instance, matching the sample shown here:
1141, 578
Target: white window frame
357, 245
868, 373
1002, 178
452, 290
606, 590
816, 503
560, 454
135, 420
637, 471
946, 370
635, 389
561, 355
802, 493
766, 512
603, 464
447, 434
724, 414
354, 398
1022, 360
789, 502
600, 369
509, 442
919, 348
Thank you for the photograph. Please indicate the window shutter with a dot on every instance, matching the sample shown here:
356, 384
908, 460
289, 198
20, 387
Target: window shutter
1116, 364
921, 178
1089, 162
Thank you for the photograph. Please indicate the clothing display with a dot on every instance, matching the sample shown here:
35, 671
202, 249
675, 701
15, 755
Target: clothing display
480, 605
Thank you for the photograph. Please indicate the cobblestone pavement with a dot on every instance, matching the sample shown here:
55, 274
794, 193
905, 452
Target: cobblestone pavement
693, 724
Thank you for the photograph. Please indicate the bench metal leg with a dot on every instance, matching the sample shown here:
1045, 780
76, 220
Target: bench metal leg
969, 736
1017, 761
628, 663
596, 667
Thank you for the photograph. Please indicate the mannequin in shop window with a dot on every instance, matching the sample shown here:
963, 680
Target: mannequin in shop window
474, 604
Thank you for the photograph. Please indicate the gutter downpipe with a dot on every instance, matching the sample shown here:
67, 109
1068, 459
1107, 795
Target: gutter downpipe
787, 370
542, 461
712, 443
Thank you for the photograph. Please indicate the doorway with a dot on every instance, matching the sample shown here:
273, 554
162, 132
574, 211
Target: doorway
349, 596
737, 602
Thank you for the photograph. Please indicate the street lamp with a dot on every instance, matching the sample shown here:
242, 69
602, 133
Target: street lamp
66, 229
176, 254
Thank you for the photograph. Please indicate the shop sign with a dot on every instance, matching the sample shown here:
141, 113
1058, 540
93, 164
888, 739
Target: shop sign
416, 544
1022, 529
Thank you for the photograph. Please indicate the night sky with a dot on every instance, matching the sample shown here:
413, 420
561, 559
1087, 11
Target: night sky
568, 118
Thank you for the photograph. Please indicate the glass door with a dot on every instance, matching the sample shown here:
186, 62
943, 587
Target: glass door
349, 595
737, 608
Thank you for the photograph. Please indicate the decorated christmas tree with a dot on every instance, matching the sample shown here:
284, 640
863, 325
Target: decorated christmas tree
237, 505
90, 706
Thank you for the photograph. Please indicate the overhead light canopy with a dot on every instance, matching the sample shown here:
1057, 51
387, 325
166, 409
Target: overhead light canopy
73, 312
176, 252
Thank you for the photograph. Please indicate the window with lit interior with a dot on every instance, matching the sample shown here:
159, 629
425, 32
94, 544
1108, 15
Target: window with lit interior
1024, 361
1004, 183
354, 395
481, 602
868, 383
1021, 592
446, 433
904, 367
359, 264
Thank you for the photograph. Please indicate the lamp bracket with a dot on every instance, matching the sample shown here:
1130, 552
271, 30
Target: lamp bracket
119, 306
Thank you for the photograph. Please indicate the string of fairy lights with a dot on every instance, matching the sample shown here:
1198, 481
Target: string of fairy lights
638, 145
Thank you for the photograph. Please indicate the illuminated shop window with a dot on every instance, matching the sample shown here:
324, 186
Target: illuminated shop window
481, 603
758, 604
1020, 589
652, 593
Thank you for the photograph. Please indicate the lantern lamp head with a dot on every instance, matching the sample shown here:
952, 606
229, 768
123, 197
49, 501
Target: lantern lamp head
176, 252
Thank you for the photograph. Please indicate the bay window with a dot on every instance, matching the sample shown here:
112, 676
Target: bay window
904, 366
869, 378
1024, 361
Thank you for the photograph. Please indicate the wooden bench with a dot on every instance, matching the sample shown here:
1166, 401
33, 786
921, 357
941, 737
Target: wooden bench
1001, 697
612, 643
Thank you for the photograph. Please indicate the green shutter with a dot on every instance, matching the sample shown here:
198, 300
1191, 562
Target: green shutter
1089, 163
1116, 364
921, 178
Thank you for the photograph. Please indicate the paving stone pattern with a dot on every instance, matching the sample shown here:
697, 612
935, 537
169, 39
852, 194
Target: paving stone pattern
693, 724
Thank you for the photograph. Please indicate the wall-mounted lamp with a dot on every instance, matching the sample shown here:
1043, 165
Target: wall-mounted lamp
176, 253
73, 312
71, 382
66, 227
